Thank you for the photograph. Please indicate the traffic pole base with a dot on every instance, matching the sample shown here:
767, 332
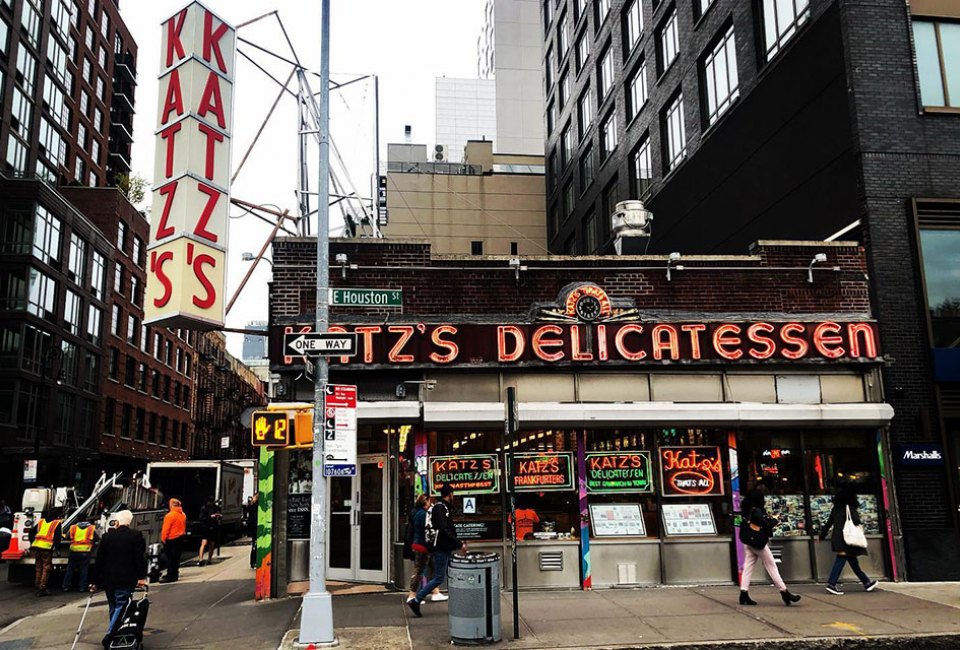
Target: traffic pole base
316, 622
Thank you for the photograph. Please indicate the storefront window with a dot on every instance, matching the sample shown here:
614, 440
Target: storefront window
837, 457
620, 467
772, 462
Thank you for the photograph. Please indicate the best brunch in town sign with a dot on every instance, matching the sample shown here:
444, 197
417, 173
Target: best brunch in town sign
188, 229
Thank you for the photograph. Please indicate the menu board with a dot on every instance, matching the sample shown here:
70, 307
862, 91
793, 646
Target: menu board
541, 471
691, 471
478, 474
298, 516
688, 519
472, 529
619, 471
617, 520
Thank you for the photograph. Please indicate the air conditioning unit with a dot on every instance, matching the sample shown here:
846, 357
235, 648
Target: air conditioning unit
439, 153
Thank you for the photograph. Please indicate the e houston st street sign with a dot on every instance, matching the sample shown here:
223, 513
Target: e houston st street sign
320, 345
366, 297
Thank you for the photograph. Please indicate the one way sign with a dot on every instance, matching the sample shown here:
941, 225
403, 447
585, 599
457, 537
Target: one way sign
320, 345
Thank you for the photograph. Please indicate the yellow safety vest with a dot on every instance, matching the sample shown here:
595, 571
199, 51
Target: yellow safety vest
45, 532
81, 539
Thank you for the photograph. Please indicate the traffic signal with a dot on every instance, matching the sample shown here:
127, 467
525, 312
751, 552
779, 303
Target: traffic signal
270, 429
303, 428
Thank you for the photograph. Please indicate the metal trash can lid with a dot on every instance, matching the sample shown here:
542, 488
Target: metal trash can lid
475, 557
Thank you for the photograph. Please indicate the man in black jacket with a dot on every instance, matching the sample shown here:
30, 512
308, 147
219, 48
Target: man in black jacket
441, 521
121, 565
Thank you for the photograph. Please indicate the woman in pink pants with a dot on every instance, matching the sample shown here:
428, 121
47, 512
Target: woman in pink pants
756, 530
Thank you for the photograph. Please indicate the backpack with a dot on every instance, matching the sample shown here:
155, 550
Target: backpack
430, 533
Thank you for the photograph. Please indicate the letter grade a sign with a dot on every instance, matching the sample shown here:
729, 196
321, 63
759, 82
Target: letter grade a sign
186, 256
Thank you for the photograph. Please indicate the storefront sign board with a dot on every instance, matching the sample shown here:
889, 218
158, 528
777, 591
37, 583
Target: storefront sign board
541, 472
691, 471
340, 430
298, 516
474, 474
479, 529
29, 471
681, 519
619, 472
617, 520
919, 455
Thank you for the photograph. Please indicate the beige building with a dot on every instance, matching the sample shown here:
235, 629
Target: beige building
490, 204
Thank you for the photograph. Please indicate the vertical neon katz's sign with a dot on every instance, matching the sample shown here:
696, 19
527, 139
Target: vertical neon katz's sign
188, 230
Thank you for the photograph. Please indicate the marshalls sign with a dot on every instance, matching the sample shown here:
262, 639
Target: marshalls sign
188, 228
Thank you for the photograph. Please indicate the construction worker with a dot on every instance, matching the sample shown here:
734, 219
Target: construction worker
44, 537
82, 539
173, 535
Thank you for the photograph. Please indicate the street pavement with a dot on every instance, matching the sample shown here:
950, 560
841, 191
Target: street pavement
210, 608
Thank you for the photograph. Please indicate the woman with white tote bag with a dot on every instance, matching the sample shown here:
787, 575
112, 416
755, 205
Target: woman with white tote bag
848, 540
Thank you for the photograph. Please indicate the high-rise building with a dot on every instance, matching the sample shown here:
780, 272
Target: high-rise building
255, 347
466, 110
67, 82
741, 120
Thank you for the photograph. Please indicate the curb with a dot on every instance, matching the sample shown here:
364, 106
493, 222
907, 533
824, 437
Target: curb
918, 642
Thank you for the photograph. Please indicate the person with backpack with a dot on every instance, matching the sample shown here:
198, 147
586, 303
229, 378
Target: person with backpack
417, 549
756, 529
845, 506
442, 536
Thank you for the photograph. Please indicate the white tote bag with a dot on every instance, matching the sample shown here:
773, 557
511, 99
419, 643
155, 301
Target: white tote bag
853, 534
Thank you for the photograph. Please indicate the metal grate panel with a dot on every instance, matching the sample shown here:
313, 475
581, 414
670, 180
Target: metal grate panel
551, 560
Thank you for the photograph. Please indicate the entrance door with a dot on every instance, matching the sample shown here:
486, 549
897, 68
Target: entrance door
357, 512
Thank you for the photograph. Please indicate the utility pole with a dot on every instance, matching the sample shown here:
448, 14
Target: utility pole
316, 625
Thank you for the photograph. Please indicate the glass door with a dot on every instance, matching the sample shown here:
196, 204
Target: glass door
356, 536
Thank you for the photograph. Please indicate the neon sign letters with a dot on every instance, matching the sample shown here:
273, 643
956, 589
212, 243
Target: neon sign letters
691, 471
541, 472
476, 474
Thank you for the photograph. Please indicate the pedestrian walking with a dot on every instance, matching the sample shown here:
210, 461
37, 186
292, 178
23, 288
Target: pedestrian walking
252, 522
845, 507
210, 516
172, 535
419, 550
121, 566
45, 536
6, 515
82, 540
756, 528
444, 543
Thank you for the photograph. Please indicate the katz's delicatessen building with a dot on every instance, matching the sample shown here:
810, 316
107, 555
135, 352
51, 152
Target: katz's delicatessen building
651, 393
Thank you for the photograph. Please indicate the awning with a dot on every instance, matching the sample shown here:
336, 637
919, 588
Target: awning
388, 411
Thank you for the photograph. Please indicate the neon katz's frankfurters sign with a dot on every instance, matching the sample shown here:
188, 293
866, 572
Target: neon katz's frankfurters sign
632, 343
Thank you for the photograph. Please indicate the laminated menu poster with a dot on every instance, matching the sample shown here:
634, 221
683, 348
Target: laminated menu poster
617, 520
688, 519
619, 471
298, 516
477, 474
541, 472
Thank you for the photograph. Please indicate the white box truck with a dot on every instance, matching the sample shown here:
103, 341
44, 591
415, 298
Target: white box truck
196, 481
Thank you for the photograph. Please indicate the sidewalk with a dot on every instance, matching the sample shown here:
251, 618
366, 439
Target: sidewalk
694, 617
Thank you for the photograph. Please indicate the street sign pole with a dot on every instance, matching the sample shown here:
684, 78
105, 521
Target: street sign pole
316, 621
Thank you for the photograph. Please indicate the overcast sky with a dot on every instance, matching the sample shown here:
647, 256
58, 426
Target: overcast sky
407, 43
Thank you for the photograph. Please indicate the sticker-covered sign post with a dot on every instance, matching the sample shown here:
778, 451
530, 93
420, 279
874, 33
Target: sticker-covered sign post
186, 256
340, 431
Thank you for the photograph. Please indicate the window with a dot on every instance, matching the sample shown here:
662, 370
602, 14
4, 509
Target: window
105, 25
95, 152
548, 70
13, 290
609, 203
94, 325
84, 103
70, 363
36, 342
166, 388
721, 84
179, 365
138, 252
16, 152
551, 117
16, 231
22, 114
605, 74
72, 307
158, 345
583, 50
133, 329
675, 134
118, 278
135, 291
566, 146
54, 103
77, 259
46, 236
91, 371
608, 135
187, 366
98, 277
125, 421
51, 143
564, 93
476, 248
940, 249
701, 6
668, 43
641, 169
590, 234
117, 320
145, 338
569, 199
585, 111
781, 19
586, 169
603, 10
42, 297
547, 15
514, 250
122, 236
4, 38
152, 429
113, 369
563, 37
632, 25
637, 90
938, 62
31, 25
130, 372
98, 120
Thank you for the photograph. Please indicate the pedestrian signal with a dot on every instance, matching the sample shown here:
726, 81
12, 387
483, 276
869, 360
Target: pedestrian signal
270, 429
303, 428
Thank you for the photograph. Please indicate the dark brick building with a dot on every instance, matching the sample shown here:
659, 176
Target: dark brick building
739, 120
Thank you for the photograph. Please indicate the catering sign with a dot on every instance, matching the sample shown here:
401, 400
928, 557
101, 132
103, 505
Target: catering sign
476, 474
541, 471
186, 274
691, 471
619, 471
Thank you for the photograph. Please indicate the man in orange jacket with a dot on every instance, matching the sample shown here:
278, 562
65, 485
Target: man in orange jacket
173, 534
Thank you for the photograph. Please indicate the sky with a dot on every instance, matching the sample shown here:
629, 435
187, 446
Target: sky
406, 43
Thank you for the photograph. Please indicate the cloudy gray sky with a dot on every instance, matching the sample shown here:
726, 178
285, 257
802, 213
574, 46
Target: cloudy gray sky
407, 43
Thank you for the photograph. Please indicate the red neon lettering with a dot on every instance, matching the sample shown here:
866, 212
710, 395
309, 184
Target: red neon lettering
406, 333
339, 330
519, 343
211, 101
825, 336
540, 344
619, 343
576, 354
721, 341
855, 330
167, 135
211, 41
213, 137
449, 346
174, 44
173, 101
602, 353
156, 267
671, 343
168, 191
769, 347
198, 263
694, 332
786, 335
213, 196
366, 332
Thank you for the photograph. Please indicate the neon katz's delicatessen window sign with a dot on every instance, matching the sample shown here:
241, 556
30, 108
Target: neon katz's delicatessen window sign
587, 327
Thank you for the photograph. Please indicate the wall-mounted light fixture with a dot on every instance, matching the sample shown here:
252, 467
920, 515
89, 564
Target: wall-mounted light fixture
401, 390
517, 267
672, 260
819, 257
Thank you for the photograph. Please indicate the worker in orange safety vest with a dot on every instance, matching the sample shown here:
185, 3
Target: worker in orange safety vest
82, 539
45, 536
